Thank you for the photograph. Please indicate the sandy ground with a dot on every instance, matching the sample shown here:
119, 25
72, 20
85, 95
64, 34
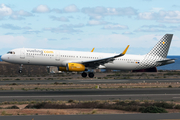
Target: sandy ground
68, 111
60, 111
76, 111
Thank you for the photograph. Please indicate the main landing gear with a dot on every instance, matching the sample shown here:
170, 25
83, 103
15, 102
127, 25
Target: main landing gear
20, 68
90, 74
84, 74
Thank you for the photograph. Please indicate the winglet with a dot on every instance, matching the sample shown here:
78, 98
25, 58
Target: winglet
92, 50
124, 52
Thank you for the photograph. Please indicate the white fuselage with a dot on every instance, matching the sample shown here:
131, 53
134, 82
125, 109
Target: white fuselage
61, 57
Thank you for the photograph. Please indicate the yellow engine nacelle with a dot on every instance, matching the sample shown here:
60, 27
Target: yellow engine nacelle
62, 69
73, 67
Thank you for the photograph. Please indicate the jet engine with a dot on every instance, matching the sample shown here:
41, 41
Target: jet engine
76, 67
62, 69
73, 67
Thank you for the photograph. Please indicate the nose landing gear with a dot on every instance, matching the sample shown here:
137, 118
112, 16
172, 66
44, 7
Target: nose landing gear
20, 68
20, 71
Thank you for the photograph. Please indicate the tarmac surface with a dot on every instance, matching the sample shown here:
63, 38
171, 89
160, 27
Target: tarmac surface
89, 81
165, 94
143, 116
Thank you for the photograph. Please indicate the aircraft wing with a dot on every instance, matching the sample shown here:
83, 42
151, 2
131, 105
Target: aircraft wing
97, 62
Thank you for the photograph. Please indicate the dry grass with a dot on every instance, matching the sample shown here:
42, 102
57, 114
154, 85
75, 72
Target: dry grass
88, 86
68, 111
75, 111
61, 111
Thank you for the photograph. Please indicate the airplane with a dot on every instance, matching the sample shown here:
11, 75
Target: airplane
85, 62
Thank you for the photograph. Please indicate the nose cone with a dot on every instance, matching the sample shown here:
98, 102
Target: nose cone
3, 58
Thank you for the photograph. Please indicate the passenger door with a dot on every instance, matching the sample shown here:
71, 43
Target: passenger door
22, 53
57, 56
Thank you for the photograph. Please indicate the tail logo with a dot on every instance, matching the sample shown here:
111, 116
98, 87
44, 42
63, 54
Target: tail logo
158, 53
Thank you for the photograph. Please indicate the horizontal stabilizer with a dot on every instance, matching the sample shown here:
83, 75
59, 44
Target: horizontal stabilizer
167, 61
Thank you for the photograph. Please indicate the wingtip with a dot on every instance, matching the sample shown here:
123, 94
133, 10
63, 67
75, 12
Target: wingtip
124, 52
92, 50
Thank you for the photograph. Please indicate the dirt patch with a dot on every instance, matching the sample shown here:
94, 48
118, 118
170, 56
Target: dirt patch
60, 111
173, 110
20, 106
73, 111
68, 111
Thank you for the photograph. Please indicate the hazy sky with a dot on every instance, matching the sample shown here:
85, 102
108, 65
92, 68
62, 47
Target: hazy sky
107, 25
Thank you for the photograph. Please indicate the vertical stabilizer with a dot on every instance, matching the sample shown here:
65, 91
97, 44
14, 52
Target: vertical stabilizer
162, 47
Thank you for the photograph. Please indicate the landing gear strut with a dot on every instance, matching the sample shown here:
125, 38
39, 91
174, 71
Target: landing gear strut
20, 69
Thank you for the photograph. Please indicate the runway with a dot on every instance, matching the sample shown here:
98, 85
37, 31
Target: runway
165, 94
144, 116
89, 81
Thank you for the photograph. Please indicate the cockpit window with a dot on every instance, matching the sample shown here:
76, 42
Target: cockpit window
11, 52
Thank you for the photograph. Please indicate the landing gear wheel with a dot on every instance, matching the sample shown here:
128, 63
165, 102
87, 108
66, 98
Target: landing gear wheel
20, 71
84, 74
91, 74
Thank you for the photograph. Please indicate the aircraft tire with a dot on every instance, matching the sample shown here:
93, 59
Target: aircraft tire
84, 74
91, 74
20, 71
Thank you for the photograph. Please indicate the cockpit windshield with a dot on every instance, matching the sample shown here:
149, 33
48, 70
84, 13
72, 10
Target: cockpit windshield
11, 52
